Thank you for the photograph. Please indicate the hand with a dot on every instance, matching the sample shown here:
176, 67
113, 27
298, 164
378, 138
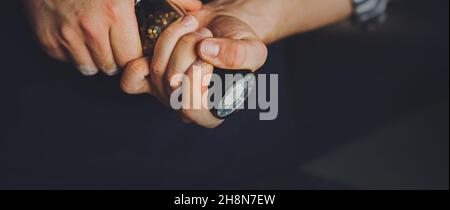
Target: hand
236, 46
93, 34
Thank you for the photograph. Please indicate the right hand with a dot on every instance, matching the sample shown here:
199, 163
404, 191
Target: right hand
229, 42
96, 35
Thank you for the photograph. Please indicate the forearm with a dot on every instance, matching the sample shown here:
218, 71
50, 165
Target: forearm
273, 20
305, 15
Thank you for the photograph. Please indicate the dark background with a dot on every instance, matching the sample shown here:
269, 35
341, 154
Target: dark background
357, 111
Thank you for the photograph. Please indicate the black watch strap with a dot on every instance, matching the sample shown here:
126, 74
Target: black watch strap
370, 13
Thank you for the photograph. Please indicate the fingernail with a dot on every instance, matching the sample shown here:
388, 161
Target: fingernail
88, 70
210, 48
189, 20
112, 71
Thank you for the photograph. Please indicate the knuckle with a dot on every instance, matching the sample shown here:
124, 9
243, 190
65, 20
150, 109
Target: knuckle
133, 68
157, 69
89, 28
114, 10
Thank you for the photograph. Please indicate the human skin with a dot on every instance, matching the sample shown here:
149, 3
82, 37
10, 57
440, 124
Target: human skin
93, 34
228, 34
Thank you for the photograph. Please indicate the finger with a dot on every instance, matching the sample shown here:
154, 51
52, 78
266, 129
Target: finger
199, 115
99, 46
125, 40
79, 53
233, 54
188, 5
164, 48
83, 61
184, 54
134, 79
103, 57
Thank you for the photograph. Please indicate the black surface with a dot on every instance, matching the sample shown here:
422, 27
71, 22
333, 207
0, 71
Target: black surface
338, 85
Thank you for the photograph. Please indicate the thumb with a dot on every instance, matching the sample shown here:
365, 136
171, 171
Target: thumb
233, 54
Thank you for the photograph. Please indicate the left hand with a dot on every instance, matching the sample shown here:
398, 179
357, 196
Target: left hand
235, 46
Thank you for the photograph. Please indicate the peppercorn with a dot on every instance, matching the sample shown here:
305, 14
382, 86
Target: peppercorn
153, 17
